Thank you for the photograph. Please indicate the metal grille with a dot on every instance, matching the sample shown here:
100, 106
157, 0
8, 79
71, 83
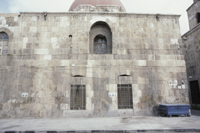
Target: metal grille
195, 92
77, 98
125, 98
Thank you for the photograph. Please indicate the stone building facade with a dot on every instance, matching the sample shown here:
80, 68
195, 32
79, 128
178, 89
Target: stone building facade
93, 61
191, 46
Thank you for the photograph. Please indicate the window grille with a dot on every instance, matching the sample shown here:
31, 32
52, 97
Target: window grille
192, 70
78, 97
125, 98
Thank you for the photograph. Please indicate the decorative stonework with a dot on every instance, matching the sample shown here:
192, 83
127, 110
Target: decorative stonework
98, 8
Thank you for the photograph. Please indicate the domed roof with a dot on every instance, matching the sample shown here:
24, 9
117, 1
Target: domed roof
96, 2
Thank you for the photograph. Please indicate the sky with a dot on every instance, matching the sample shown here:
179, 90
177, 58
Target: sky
132, 6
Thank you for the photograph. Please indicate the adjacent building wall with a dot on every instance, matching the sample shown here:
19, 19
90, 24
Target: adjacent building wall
192, 13
191, 46
43, 61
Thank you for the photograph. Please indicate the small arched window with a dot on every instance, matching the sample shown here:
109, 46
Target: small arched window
4, 39
198, 17
100, 44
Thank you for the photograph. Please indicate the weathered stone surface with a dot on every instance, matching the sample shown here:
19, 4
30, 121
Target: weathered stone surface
191, 49
42, 61
192, 14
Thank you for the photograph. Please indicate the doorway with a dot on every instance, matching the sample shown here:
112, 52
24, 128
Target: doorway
195, 92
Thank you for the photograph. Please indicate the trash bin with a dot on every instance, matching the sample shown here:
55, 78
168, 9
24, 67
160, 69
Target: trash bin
175, 109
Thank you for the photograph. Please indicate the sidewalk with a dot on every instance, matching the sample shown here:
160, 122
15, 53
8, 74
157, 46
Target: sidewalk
102, 124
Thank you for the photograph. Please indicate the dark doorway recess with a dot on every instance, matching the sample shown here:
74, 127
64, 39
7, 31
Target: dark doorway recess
195, 92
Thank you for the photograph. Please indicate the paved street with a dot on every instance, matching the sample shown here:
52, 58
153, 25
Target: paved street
126, 123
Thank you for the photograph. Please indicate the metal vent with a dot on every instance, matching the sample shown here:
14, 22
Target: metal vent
125, 98
77, 98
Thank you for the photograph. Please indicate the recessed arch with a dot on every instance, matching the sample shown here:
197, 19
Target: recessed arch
101, 23
100, 31
7, 31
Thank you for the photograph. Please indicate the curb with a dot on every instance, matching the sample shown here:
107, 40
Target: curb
113, 131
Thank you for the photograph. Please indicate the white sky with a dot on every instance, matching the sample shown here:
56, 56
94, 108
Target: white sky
132, 6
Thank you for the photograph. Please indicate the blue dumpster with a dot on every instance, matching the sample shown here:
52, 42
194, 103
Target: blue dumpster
174, 109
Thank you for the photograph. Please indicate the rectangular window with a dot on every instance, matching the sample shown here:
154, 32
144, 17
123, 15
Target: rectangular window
125, 97
77, 97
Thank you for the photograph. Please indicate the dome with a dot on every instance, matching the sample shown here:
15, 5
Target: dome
97, 2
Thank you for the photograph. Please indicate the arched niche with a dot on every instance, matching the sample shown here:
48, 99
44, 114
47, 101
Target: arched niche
100, 38
124, 79
77, 80
6, 40
7, 31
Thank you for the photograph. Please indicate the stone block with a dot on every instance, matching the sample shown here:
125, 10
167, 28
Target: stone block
142, 63
41, 51
33, 29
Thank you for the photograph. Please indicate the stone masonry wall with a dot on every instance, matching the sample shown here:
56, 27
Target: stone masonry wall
191, 46
42, 61
195, 8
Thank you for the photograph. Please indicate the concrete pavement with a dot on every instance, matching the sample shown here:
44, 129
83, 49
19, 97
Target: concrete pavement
101, 124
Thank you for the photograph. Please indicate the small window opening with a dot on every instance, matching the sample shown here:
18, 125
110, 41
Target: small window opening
157, 17
4, 39
125, 98
78, 76
100, 44
78, 97
124, 75
198, 17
